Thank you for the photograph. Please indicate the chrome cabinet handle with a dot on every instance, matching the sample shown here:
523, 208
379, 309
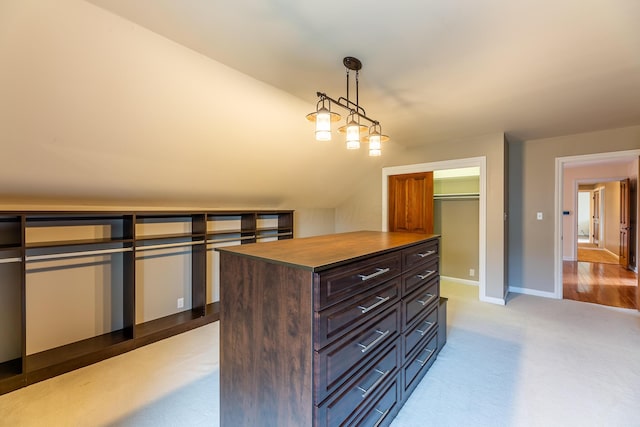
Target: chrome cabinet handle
365, 392
381, 300
426, 254
428, 324
367, 347
424, 276
382, 415
423, 302
423, 362
378, 272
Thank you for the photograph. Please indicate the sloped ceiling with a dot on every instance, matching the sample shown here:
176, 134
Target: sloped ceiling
101, 102
433, 70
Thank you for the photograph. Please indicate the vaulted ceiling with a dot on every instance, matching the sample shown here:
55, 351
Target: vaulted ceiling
432, 70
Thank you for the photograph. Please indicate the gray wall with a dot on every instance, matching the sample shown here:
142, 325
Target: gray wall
456, 221
532, 188
364, 209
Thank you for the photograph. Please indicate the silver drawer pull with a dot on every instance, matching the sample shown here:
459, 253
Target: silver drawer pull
378, 272
365, 392
421, 332
422, 362
382, 415
381, 300
424, 276
429, 298
426, 254
367, 347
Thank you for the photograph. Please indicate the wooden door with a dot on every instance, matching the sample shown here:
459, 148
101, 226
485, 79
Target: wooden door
625, 222
411, 202
595, 218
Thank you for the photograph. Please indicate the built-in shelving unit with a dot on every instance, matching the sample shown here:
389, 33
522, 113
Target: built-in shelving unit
80, 287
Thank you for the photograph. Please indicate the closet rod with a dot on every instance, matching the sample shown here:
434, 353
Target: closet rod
76, 254
9, 260
230, 239
168, 245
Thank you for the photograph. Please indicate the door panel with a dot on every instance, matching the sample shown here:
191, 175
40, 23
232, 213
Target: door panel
625, 222
411, 202
596, 218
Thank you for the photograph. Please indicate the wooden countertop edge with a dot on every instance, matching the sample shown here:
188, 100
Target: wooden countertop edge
261, 251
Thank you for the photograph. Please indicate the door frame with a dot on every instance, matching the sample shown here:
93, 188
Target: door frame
559, 199
481, 163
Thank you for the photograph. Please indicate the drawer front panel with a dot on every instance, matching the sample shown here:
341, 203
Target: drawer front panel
342, 359
419, 363
419, 276
422, 329
420, 301
420, 254
363, 390
341, 318
343, 282
384, 409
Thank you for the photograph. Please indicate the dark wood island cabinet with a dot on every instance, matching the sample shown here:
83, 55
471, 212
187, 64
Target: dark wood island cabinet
326, 331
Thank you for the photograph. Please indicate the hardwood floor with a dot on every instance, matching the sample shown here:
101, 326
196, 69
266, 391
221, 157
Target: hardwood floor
599, 283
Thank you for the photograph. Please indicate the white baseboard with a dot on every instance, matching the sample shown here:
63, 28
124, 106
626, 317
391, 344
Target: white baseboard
493, 300
462, 281
533, 292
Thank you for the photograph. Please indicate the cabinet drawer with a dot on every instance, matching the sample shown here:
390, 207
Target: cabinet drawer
420, 254
339, 361
383, 410
341, 318
419, 276
419, 363
422, 329
357, 394
340, 283
420, 301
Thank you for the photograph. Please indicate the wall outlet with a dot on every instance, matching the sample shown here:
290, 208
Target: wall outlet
180, 303
472, 272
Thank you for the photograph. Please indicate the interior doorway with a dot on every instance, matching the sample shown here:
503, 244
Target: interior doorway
591, 265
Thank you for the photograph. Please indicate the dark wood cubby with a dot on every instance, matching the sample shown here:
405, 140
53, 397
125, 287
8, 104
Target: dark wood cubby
32, 236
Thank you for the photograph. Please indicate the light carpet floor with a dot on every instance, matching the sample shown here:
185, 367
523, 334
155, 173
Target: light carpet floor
534, 362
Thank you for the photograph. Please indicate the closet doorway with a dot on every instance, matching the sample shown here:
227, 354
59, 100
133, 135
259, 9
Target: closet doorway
478, 198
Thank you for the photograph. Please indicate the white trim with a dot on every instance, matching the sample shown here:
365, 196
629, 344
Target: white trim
480, 162
493, 300
534, 292
561, 162
461, 281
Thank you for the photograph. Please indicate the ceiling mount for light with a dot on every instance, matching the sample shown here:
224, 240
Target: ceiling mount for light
323, 116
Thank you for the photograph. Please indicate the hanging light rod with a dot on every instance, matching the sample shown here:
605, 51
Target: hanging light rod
323, 116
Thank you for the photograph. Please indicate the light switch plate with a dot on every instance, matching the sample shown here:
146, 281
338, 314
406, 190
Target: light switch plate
539, 216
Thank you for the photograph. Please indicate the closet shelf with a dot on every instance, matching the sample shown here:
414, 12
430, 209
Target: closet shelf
79, 242
453, 196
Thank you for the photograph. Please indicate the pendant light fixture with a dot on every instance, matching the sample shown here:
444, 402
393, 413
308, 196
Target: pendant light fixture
323, 116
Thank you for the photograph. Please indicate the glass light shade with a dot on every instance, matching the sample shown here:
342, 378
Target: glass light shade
374, 142
323, 125
375, 145
353, 135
